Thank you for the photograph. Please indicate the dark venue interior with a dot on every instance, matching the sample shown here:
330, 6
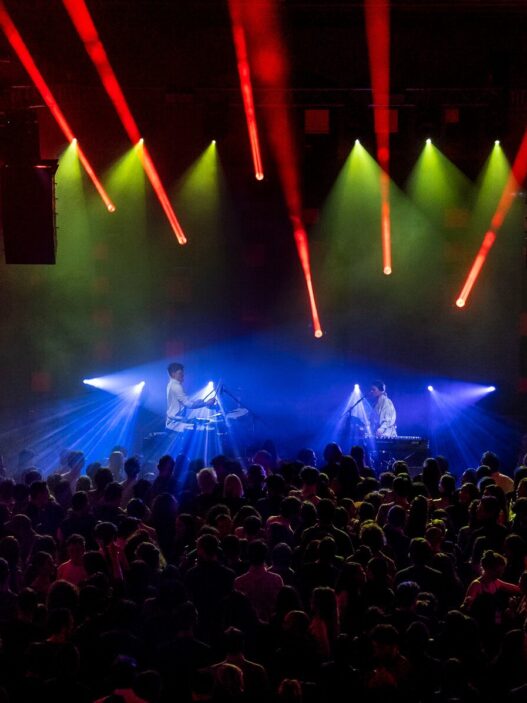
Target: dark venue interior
263, 351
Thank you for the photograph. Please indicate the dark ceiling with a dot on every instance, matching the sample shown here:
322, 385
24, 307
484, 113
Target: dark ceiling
469, 54
187, 44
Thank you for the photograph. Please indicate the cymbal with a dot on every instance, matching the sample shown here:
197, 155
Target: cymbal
237, 413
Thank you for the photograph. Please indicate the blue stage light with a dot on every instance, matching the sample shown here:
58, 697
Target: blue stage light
139, 387
95, 382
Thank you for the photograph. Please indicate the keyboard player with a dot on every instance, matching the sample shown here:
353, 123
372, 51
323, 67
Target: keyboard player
383, 415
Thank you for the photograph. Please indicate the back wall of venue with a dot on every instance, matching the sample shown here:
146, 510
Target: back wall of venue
124, 294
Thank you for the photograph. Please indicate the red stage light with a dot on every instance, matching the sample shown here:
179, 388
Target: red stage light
303, 254
517, 175
386, 224
261, 26
96, 182
246, 87
475, 270
377, 14
81, 18
21, 50
383, 155
154, 179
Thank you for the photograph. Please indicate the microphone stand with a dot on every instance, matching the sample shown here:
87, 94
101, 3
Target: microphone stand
225, 390
237, 400
348, 411
348, 431
213, 392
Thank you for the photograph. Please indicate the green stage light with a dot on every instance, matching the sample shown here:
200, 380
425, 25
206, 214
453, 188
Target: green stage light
199, 189
127, 175
350, 221
352, 271
440, 190
490, 184
74, 196
202, 199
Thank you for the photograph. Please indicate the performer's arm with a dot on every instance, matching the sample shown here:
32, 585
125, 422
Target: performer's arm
386, 418
184, 400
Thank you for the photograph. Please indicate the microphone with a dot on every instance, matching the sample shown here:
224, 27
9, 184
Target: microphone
355, 404
358, 401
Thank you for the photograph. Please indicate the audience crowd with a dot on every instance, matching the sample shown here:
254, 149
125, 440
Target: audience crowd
283, 581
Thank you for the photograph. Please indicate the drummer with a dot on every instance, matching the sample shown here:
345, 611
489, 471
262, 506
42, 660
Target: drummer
177, 400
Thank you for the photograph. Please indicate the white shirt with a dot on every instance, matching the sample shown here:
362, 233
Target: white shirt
177, 403
383, 418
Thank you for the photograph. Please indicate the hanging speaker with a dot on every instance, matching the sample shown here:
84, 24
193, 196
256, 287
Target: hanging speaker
27, 212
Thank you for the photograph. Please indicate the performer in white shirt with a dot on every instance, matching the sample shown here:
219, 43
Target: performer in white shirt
177, 400
383, 415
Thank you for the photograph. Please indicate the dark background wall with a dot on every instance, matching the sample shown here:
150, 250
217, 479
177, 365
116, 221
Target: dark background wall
131, 294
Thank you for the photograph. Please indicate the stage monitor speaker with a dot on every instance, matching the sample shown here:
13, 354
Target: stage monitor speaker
27, 212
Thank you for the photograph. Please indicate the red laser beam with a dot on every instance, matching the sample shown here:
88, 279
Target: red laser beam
244, 72
268, 59
21, 50
377, 13
150, 170
386, 223
81, 18
303, 254
476, 267
517, 176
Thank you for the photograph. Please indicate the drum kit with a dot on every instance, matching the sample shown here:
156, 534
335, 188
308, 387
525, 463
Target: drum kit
217, 422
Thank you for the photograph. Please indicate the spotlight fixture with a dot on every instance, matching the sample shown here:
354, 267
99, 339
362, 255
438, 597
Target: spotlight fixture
83, 22
428, 141
93, 382
430, 388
